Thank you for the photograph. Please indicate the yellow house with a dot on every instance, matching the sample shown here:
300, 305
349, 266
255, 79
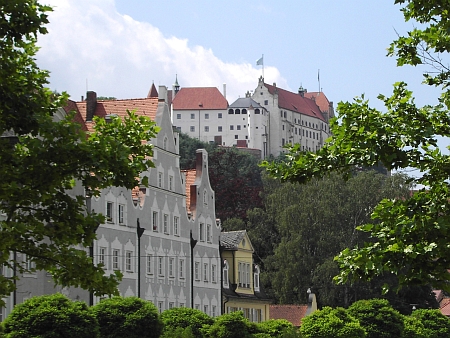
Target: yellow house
241, 290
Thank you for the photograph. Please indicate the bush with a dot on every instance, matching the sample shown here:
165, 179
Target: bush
231, 325
331, 323
378, 318
183, 317
276, 327
179, 332
435, 323
414, 328
129, 317
53, 316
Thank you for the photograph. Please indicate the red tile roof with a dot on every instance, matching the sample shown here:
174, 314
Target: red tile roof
296, 102
199, 98
292, 313
320, 99
152, 92
190, 180
444, 306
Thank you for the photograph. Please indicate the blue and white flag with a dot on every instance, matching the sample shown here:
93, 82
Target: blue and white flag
260, 61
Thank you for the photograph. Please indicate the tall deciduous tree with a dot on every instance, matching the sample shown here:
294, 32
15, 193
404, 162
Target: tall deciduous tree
410, 235
46, 158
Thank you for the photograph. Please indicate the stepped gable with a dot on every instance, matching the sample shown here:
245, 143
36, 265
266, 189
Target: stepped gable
231, 239
295, 102
199, 98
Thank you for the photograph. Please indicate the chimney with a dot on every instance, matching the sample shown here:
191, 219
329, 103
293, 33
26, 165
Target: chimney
225, 90
162, 96
91, 104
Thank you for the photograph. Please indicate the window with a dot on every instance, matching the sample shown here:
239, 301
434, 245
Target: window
244, 111
206, 116
176, 221
192, 129
257, 111
160, 179
171, 305
202, 232
121, 213
149, 264
160, 307
213, 273
230, 111
166, 223
205, 309
256, 278
197, 306
109, 211
155, 221
170, 183
219, 115
283, 126
244, 274
213, 311
178, 116
182, 268
192, 116
171, 266
165, 143
206, 128
101, 255
196, 270
231, 127
237, 111
161, 266
219, 128
238, 127
266, 102
225, 273
128, 263
181, 304
205, 197
115, 259
284, 114
205, 272
208, 233
282, 142
29, 263
236, 137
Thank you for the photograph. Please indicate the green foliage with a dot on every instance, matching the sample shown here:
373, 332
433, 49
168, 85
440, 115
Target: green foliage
414, 328
188, 148
231, 325
378, 318
42, 178
129, 317
435, 324
331, 323
178, 332
410, 235
53, 316
276, 328
183, 317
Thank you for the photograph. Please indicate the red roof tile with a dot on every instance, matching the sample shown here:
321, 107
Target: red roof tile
199, 98
444, 306
296, 102
292, 313
320, 99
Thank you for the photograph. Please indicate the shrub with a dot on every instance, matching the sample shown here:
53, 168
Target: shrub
183, 317
276, 327
331, 323
378, 318
53, 316
129, 317
414, 328
434, 322
231, 325
179, 332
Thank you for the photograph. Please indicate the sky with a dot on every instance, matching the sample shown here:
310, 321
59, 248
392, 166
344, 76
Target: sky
119, 48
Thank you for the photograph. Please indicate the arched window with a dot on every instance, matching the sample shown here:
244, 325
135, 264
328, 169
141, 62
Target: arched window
244, 111
225, 274
256, 278
230, 111
257, 111
237, 111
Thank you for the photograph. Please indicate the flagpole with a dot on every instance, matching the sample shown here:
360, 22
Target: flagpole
318, 78
263, 66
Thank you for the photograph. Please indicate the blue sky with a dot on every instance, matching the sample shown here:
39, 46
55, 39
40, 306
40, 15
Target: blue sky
119, 47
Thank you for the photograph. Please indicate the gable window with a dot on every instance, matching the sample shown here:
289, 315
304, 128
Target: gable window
161, 266
202, 232
128, 261
171, 266
101, 255
213, 273
166, 223
121, 213
160, 179
115, 259
208, 233
205, 272
149, 264
109, 211
155, 221
181, 268
178, 116
196, 270
170, 183
176, 221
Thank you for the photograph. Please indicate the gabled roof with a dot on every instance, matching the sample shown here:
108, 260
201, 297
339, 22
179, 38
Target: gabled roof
320, 99
292, 313
152, 92
245, 102
295, 102
199, 98
72, 106
231, 239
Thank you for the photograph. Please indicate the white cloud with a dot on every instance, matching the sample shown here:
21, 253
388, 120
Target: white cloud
91, 45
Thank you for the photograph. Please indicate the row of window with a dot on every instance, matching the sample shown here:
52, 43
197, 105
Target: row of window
166, 227
219, 128
161, 181
206, 274
205, 233
193, 116
244, 270
114, 215
117, 260
254, 315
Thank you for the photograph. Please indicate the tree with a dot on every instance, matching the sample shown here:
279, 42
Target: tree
53, 316
276, 327
231, 325
410, 235
183, 317
414, 328
378, 318
331, 323
49, 164
434, 322
188, 148
127, 317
